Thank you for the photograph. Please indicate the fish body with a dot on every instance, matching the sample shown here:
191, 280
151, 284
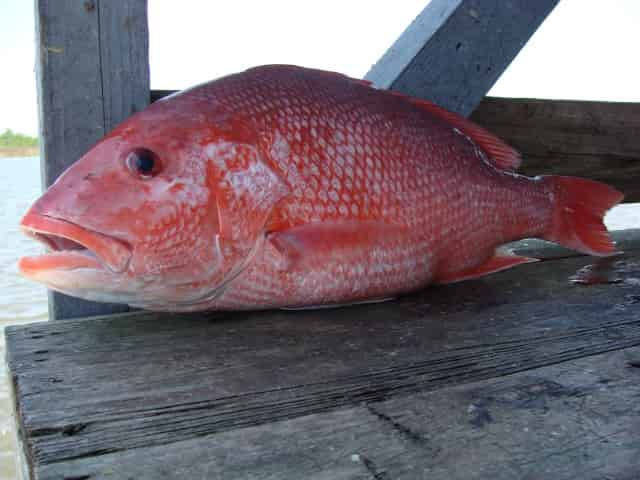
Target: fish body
289, 187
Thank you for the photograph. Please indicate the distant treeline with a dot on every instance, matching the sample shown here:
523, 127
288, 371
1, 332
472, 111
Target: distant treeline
10, 139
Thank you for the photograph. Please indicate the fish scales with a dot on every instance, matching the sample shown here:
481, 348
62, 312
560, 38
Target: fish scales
290, 187
364, 158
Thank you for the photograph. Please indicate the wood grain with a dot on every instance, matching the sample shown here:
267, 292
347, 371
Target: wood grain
578, 419
597, 140
92, 73
86, 389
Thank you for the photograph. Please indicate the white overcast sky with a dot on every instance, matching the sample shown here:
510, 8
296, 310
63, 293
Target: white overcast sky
586, 49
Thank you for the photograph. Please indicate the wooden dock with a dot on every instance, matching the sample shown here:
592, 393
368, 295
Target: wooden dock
523, 374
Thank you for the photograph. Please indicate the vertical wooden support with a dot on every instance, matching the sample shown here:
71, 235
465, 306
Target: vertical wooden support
455, 50
93, 72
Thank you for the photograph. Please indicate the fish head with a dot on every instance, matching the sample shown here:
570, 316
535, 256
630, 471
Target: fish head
161, 214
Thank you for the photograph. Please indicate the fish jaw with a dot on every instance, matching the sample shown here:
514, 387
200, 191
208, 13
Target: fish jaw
72, 248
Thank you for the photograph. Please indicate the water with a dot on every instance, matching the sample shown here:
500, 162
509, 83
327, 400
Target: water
21, 301
24, 302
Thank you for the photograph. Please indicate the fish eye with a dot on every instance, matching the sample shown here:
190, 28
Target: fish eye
143, 162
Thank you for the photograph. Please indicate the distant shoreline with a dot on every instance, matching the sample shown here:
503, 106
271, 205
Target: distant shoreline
19, 151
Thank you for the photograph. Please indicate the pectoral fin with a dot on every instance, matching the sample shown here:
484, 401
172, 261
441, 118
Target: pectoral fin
501, 260
315, 244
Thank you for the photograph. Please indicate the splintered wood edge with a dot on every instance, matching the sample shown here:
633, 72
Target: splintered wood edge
23, 463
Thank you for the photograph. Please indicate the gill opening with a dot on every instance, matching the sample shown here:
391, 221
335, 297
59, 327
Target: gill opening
219, 289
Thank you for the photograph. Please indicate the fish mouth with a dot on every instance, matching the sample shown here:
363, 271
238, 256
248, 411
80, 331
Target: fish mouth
71, 247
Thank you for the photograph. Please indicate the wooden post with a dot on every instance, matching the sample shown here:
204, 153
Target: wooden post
93, 72
455, 50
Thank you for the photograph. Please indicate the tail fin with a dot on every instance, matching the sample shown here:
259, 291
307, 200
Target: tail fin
580, 206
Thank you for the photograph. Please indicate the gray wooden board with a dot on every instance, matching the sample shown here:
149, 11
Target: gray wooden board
576, 420
90, 391
93, 72
455, 50
597, 140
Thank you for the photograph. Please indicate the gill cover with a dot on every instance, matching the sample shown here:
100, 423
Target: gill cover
246, 190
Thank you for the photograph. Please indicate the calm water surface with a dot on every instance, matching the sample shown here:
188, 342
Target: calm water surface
21, 301
24, 302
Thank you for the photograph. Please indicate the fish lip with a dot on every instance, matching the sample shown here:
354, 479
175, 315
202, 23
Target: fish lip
99, 251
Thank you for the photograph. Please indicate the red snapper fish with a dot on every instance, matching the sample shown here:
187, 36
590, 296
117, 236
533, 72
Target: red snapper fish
289, 187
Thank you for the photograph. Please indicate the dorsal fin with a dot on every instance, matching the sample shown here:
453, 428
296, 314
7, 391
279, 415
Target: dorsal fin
498, 152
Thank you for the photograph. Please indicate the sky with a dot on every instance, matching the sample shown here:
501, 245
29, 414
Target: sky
584, 50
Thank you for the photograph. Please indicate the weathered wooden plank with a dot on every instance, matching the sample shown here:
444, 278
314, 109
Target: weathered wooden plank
597, 140
86, 388
579, 419
124, 58
93, 72
455, 50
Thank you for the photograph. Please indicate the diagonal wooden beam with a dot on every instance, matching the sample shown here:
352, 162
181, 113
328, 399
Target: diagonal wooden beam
455, 50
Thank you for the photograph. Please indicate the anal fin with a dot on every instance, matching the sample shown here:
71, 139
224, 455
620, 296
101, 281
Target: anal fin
501, 260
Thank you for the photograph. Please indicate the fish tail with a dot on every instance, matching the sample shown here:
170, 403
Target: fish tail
579, 206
